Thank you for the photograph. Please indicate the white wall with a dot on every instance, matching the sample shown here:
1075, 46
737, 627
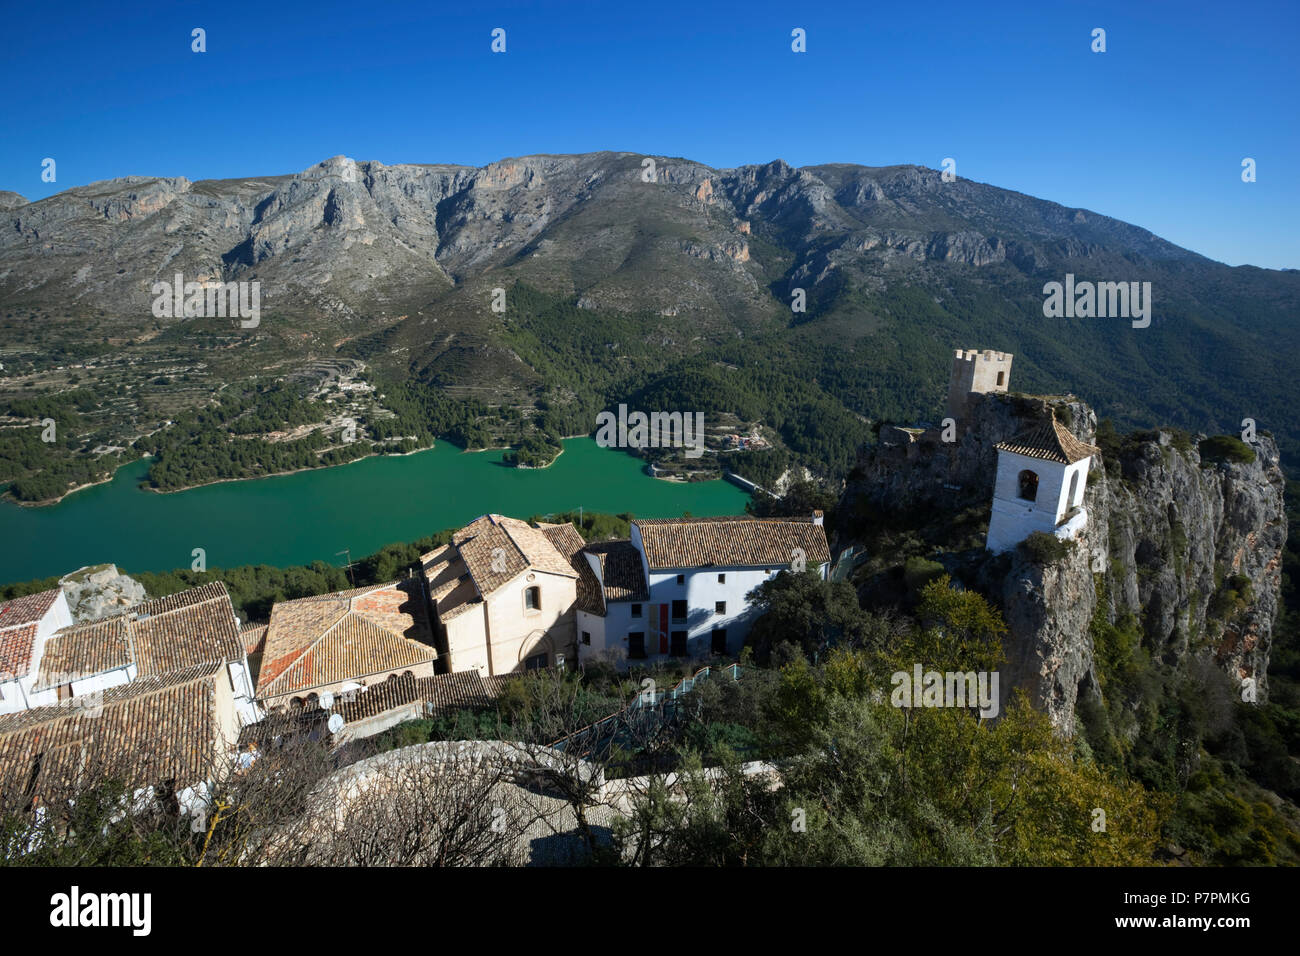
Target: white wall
18, 693
701, 590
11, 697
1013, 518
608, 633
497, 636
594, 625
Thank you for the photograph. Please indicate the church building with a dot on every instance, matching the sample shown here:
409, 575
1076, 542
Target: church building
1041, 477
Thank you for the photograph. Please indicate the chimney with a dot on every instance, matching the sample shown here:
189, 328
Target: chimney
817, 516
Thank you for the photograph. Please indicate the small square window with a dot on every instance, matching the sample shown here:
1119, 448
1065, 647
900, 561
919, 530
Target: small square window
533, 599
636, 610
720, 607
586, 638
722, 579
679, 610
681, 579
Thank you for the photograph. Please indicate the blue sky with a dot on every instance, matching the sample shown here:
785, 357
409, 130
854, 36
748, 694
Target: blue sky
1153, 131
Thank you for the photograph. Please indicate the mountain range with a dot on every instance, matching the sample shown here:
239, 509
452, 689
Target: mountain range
631, 278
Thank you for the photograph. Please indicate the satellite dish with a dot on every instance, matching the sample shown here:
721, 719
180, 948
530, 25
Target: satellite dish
335, 723
326, 700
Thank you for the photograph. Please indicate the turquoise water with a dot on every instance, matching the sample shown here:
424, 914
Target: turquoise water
311, 515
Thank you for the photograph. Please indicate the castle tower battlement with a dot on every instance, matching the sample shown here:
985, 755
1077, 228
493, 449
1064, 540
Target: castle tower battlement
975, 371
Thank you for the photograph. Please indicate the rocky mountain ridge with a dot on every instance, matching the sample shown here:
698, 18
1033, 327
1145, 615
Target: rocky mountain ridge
666, 264
351, 226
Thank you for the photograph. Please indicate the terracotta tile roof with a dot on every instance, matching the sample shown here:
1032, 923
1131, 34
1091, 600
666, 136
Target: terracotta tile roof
497, 549
449, 692
16, 645
443, 572
394, 609
489, 552
620, 570
344, 636
155, 729
461, 597
377, 698
730, 542
450, 587
1049, 442
253, 636
569, 543
84, 650
536, 546
477, 526
564, 538
187, 634
19, 620
28, 609
182, 630
294, 627
353, 648
204, 593
444, 693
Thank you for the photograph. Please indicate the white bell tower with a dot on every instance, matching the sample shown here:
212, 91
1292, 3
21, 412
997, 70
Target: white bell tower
1042, 474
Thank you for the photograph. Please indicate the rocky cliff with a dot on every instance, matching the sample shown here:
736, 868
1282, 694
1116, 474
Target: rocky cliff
1187, 549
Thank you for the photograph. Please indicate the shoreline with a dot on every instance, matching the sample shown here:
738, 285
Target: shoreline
282, 474
49, 502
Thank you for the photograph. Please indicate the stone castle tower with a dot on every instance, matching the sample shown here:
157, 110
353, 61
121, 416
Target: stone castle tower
973, 371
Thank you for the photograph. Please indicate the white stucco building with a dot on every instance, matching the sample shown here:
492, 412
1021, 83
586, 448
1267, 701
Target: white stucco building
509, 597
26, 624
158, 692
679, 586
46, 659
1041, 478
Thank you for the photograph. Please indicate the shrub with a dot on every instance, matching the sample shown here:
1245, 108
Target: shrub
918, 572
1226, 448
1044, 548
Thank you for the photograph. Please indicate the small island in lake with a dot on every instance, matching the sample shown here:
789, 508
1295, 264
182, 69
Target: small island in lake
534, 451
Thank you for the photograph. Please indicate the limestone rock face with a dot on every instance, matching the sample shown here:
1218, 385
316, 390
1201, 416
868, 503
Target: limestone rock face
1168, 538
100, 591
1048, 609
351, 238
1179, 532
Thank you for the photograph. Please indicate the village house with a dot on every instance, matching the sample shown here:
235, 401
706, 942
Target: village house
157, 694
152, 639
679, 586
503, 595
341, 643
26, 624
507, 596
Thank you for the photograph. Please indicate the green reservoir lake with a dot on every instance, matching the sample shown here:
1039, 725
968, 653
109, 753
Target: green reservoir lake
310, 515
